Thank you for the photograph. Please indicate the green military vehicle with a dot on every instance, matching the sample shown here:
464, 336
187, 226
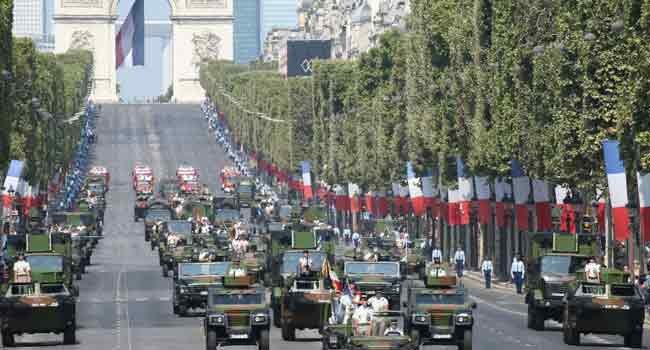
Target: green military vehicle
197, 208
370, 277
237, 313
440, 312
141, 206
169, 189
604, 304
225, 201
180, 228
183, 251
194, 280
245, 192
555, 258
45, 305
285, 268
81, 228
225, 219
157, 213
55, 244
380, 337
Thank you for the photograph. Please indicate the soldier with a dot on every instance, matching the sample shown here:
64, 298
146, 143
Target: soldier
393, 329
305, 262
173, 239
378, 303
592, 271
459, 260
22, 270
361, 318
486, 267
436, 255
517, 272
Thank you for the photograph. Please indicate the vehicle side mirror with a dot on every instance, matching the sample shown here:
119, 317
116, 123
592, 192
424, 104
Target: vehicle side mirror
473, 305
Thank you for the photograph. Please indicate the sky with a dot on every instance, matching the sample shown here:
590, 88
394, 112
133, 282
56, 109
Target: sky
144, 81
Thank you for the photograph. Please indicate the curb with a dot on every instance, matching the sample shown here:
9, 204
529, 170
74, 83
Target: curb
495, 284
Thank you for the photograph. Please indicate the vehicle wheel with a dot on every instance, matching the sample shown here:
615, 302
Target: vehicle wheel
211, 340
415, 337
83, 268
69, 336
175, 308
466, 344
165, 270
263, 342
147, 237
288, 332
7, 339
535, 320
78, 276
571, 336
276, 317
634, 340
182, 310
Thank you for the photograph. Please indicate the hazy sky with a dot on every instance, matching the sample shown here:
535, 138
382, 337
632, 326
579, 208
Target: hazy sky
144, 81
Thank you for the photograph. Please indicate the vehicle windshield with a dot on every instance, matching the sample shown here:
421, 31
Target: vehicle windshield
276, 227
52, 288
448, 299
285, 211
179, 227
210, 269
237, 299
227, 214
47, 263
623, 290
562, 265
188, 178
290, 261
369, 268
158, 214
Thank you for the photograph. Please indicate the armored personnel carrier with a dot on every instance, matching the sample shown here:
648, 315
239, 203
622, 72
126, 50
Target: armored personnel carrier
194, 280
604, 304
371, 277
157, 213
554, 260
440, 312
237, 314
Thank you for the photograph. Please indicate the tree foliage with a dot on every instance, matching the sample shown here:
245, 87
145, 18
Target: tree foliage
540, 81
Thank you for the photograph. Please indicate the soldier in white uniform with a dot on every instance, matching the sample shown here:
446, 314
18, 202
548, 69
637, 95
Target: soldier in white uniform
22, 270
592, 271
378, 303
361, 318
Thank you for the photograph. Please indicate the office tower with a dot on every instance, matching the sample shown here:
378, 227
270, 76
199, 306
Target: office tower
247, 39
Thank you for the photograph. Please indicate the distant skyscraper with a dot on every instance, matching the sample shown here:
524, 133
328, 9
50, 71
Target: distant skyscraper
278, 13
29, 18
247, 39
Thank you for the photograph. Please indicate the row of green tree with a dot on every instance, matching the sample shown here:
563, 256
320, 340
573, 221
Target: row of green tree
541, 81
40, 93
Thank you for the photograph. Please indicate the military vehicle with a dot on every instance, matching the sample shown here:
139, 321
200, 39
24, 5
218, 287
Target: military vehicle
226, 218
180, 228
225, 201
183, 251
345, 336
45, 305
237, 314
197, 208
604, 304
245, 192
157, 213
140, 207
371, 277
555, 258
194, 280
169, 189
304, 295
440, 313
81, 228
285, 268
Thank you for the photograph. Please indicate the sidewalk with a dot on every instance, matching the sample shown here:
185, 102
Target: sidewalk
477, 277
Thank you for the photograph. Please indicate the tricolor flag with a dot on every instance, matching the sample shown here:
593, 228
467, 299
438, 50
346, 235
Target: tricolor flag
404, 196
483, 196
521, 189
568, 213
342, 203
617, 184
644, 204
465, 192
369, 200
129, 42
600, 211
382, 204
542, 198
355, 194
307, 191
453, 207
415, 190
428, 191
500, 187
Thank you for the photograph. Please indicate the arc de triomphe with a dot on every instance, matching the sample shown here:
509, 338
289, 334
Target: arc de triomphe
201, 29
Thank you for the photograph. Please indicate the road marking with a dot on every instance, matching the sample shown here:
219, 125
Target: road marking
141, 299
165, 299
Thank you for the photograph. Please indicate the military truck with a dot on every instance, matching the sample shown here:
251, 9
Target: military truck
184, 251
197, 208
226, 218
45, 305
554, 260
169, 189
157, 213
194, 280
285, 268
440, 312
237, 314
50, 255
225, 201
606, 304
371, 277
181, 228
141, 206
245, 192
345, 336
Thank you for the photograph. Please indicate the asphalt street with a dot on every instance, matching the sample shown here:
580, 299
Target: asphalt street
125, 303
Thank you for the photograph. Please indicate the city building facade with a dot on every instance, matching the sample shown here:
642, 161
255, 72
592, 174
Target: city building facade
247, 31
32, 20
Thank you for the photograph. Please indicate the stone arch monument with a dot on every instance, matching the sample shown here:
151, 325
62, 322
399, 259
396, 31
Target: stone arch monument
201, 29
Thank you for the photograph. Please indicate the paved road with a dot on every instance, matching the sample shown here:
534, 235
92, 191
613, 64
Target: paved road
125, 302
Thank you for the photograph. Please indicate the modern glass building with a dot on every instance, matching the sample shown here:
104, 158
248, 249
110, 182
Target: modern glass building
29, 18
278, 13
247, 39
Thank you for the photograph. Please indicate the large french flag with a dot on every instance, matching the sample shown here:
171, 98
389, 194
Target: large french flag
415, 190
483, 196
617, 184
453, 207
355, 197
465, 192
429, 193
306, 180
521, 189
129, 42
542, 198
600, 211
500, 187
568, 213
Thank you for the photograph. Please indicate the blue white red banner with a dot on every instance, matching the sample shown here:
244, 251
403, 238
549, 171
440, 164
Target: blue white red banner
129, 42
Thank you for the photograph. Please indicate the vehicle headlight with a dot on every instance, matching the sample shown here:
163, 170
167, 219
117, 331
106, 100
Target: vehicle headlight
333, 340
463, 318
54, 304
183, 290
259, 318
216, 319
421, 319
